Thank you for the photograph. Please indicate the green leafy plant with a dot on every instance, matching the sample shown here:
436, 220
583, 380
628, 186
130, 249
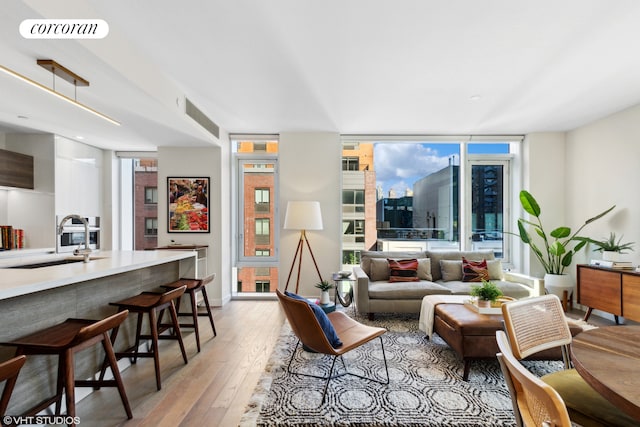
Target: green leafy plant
559, 246
487, 291
612, 245
324, 285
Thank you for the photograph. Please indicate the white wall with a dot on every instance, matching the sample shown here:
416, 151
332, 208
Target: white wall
602, 169
544, 177
310, 169
205, 162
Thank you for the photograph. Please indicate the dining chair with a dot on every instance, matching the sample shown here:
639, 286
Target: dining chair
537, 403
308, 330
9, 371
538, 323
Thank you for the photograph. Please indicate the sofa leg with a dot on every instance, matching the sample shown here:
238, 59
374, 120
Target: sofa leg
371, 316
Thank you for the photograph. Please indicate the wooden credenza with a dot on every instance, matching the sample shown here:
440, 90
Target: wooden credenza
611, 290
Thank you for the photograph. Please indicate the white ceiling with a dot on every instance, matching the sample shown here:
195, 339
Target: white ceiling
347, 66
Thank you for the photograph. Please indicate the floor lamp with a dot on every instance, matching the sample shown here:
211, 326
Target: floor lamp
303, 216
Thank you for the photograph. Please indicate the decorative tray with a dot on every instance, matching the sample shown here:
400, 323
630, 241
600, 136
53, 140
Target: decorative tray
472, 304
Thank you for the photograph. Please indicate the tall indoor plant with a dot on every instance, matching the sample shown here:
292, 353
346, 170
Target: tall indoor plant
556, 251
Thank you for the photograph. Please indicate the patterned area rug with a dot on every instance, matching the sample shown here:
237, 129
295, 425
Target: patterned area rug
425, 389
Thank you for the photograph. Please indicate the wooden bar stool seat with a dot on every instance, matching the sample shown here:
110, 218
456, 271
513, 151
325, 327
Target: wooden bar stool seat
9, 371
193, 287
152, 304
66, 339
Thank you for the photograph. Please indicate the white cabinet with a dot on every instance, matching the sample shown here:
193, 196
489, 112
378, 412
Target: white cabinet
78, 178
199, 269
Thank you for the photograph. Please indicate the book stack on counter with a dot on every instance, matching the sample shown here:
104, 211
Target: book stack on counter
624, 265
11, 238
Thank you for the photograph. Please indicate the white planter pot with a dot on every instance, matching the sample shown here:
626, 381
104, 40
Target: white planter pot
556, 284
611, 256
324, 297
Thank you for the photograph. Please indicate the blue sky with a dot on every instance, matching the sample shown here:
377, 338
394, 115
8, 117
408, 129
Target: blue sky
399, 165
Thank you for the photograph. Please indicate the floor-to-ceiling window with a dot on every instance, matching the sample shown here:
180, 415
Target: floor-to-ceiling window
256, 260
423, 193
139, 202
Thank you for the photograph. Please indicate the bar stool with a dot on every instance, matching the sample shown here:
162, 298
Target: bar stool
153, 304
9, 371
193, 287
65, 339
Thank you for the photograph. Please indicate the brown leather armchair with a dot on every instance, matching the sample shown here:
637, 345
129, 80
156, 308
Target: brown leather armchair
307, 329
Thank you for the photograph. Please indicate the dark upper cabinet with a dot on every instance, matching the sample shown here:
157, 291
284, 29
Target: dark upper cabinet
16, 170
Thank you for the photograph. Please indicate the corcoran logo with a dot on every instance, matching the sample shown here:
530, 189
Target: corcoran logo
64, 29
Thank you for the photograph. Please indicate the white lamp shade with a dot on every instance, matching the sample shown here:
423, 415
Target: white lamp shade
303, 215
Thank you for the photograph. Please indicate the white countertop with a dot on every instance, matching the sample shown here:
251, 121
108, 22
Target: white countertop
16, 282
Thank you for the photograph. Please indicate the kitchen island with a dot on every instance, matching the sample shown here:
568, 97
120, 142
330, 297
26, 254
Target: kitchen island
32, 299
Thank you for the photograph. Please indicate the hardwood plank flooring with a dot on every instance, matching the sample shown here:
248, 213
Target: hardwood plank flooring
213, 389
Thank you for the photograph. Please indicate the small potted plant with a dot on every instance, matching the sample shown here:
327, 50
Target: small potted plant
487, 293
324, 286
611, 248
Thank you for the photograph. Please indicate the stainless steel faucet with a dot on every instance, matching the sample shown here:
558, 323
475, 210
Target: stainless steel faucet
87, 250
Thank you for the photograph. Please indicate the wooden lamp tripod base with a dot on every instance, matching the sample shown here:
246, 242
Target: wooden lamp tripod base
298, 257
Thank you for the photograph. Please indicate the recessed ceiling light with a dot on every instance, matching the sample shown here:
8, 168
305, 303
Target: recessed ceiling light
475, 98
79, 136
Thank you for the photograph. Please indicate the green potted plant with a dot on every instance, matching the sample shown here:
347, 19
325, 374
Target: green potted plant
556, 250
611, 248
487, 293
324, 287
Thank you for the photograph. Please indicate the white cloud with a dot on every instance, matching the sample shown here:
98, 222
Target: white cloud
399, 165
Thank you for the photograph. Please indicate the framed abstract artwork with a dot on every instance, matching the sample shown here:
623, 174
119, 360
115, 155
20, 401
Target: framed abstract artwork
188, 202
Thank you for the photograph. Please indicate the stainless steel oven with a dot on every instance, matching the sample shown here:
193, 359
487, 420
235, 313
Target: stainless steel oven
72, 234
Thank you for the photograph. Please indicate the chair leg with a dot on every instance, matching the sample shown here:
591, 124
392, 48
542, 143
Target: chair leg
134, 359
113, 362
326, 385
153, 326
330, 376
194, 315
176, 328
208, 307
69, 383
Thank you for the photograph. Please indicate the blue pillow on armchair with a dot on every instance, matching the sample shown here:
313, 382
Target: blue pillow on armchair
323, 320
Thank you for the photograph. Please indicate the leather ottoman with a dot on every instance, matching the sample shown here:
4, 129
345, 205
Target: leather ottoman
473, 335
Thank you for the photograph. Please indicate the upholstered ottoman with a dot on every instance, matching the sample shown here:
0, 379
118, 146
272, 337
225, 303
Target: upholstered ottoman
473, 335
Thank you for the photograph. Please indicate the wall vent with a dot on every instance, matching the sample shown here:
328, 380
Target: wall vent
200, 118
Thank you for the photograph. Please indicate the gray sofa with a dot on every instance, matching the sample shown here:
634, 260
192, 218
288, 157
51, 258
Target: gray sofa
440, 273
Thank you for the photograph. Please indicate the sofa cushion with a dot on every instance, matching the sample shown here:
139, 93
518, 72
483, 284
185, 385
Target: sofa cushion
474, 271
409, 290
451, 270
366, 256
379, 269
424, 269
437, 256
403, 270
495, 269
509, 289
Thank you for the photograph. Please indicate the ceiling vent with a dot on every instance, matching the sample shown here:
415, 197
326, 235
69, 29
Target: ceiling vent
200, 118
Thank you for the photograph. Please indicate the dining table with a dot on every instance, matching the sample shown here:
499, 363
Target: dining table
608, 358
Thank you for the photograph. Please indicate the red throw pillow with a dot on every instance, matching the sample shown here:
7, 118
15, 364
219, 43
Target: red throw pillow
403, 270
474, 271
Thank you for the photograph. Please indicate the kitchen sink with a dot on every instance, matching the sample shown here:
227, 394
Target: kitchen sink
52, 263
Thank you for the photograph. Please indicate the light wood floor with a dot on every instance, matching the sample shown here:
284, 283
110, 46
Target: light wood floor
213, 389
